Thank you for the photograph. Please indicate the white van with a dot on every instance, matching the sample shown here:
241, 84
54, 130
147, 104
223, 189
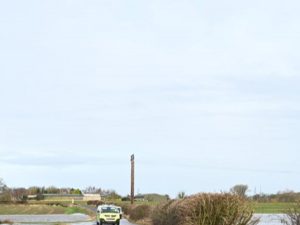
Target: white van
108, 214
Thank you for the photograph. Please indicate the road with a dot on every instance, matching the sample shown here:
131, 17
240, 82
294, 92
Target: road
74, 219
81, 219
123, 222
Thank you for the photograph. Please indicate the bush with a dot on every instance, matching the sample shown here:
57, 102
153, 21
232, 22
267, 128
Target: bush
5, 197
56, 204
95, 202
293, 215
140, 212
205, 209
6, 222
166, 213
126, 208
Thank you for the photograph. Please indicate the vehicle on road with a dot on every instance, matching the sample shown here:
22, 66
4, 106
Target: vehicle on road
120, 211
108, 214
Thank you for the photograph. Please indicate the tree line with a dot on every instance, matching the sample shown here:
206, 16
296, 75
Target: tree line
8, 194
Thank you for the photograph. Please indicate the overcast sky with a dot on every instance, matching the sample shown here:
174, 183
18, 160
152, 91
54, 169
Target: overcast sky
205, 93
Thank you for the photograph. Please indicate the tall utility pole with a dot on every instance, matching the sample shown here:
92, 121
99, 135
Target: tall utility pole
132, 179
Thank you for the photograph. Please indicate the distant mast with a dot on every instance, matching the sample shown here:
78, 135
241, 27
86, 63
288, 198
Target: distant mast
132, 179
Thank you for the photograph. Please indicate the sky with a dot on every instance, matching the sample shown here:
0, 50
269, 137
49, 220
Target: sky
204, 93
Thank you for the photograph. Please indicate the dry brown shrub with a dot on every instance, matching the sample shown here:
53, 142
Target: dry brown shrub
205, 209
292, 215
126, 208
140, 212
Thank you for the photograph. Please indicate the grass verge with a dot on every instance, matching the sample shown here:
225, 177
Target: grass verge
5, 222
28, 209
271, 208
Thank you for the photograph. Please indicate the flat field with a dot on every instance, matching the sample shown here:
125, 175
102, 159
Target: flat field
271, 208
16, 209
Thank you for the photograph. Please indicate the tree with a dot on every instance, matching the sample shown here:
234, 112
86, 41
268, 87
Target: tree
287, 196
292, 215
110, 194
52, 190
3, 186
92, 190
167, 197
64, 191
4, 192
18, 194
240, 190
181, 195
75, 191
113, 195
35, 190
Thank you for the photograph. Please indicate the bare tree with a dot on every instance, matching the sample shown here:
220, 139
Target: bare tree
92, 190
18, 194
292, 215
3, 186
52, 190
35, 190
4, 192
240, 190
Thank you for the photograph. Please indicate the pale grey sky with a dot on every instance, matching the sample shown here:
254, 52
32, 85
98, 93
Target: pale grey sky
205, 93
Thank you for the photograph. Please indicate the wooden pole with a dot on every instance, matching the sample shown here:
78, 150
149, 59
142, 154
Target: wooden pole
132, 179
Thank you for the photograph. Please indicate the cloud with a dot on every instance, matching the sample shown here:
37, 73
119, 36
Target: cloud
57, 159
87, 83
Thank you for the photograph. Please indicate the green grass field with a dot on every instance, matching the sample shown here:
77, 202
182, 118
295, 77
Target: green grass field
11, 209
272, 208
43, 207
265, 208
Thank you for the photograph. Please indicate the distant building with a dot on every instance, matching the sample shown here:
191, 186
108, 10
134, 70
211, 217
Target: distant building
32, 197
73, 197
58, 197
91, 197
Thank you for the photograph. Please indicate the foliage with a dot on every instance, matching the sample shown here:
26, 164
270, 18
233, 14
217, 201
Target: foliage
125, 199
156, 197
75, 191
51, 190
34, 190
111, 195
282, 196
3, 186
126, 208
205, 209
287, 196
292, 215
166, 214
5, 195
140, 212
240, 190
6, 222
18, 194
181, 195
92, 190
94, 202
